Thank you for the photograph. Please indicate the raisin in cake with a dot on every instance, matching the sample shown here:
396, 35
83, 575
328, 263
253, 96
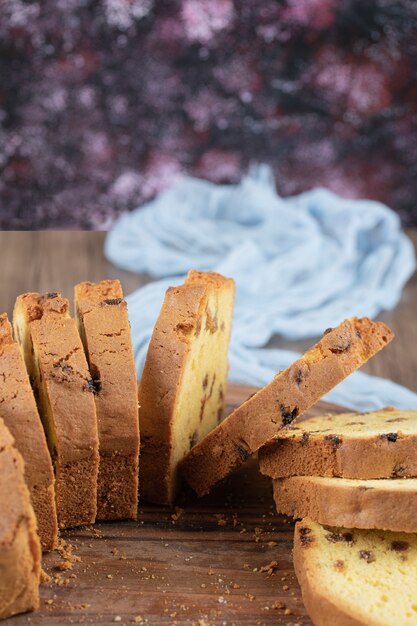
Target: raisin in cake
387, 503
356, 577
101, 315
341, 351
57, 365
20, 414
183, 385
381, 444
20, 549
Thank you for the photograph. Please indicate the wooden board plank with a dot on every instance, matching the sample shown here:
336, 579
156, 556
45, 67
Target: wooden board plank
201, 564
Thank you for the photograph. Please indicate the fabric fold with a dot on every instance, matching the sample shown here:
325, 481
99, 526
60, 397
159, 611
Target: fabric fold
301, 264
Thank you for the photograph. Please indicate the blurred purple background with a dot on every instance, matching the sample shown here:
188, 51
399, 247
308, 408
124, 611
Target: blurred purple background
103, 103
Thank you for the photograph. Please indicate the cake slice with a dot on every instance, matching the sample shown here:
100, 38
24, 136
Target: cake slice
101, 315
63, 388
390, 504
381, 444
20, 414
183, 385
340, 351
356, 577
20, 549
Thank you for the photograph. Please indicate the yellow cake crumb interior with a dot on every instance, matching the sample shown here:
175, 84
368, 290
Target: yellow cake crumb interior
203, 385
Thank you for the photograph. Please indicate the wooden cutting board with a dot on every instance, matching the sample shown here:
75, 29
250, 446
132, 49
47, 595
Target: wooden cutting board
210, 561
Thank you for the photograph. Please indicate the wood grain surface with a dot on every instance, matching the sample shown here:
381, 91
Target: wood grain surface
56, 260
205, 562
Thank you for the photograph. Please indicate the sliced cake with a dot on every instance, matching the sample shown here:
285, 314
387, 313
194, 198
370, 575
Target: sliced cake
390, 504
356, 577
63, 388
183, 385
20, 414
381, 444
101, 315
341, 351
20, 549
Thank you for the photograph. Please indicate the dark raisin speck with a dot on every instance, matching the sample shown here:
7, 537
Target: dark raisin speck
398, 471
327, 331
390, 437
193, 439
51, 294
335, 537
288, 414
113, 301
304, 532
339, 349
358, 334
299, 377
304, 439
334, 439
399, 546
243, 453
93, 385
367, 556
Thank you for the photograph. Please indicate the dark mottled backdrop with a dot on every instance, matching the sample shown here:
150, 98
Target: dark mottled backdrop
103, 102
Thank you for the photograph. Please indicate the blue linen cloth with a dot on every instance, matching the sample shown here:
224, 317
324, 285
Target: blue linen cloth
301, 264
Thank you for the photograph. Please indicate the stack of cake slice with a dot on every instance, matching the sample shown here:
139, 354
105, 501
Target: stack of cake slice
353, 478
353, 470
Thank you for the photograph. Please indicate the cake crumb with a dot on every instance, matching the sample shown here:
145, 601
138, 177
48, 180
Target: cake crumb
269, 568
177, 514
45, 578
279, 605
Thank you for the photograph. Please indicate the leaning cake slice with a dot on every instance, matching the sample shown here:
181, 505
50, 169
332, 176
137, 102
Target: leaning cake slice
356, 577
379, 444
101, 315
20, 414
63, 387
387, 503
183, 385
20, 550
340, 351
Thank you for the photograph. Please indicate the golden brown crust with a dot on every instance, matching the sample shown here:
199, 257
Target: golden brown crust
178, 324
387, 453
20, 550
340, 351
56, 362
102, 319
20, 414
386, 504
